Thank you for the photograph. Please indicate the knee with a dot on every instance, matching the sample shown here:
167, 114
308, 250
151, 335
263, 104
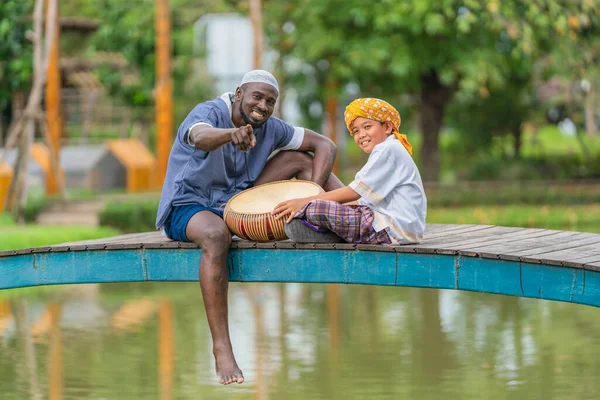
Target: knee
317, 207
300, 160
214, 242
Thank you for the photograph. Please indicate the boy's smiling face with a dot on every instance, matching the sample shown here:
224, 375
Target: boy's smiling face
368, 133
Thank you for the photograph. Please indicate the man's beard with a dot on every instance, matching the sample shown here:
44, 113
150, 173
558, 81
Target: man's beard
247, 119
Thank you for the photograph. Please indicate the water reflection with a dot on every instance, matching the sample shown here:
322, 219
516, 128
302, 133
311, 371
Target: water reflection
166, 350
295, 341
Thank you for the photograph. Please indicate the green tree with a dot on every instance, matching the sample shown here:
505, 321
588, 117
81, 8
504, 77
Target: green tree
497, 111
129, 28
434, 50
15, 49
576, 58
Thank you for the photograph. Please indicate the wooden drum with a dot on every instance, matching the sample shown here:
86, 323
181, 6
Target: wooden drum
248, 213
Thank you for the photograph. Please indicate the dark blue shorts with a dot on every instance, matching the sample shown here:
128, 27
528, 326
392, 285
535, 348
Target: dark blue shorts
179, 217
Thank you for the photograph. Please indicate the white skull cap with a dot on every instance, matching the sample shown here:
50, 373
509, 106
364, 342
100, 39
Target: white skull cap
260, 76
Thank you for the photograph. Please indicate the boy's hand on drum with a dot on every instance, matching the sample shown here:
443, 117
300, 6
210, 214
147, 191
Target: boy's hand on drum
244, 138
289, 208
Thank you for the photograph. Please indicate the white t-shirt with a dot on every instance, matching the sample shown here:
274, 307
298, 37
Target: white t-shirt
391, 186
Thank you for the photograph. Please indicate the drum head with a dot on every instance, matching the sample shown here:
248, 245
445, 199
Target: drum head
263, 198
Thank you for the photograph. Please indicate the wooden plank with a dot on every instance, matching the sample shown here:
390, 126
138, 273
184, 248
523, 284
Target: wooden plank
424, 270
500, 277
593, 265
457, 242
568, 240
457, 231
504, 239
525, 246
503, 244
162, 245
451, 239
592, 259
145, 237
573, 254
552, 283
7, 253
435, 229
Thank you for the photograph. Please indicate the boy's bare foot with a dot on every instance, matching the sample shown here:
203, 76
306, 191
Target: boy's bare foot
227, 369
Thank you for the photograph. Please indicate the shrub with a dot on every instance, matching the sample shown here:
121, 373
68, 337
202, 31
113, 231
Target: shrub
35, 205
130, 216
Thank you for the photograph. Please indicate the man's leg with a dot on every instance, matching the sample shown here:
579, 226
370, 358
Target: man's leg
211, 233
293, 164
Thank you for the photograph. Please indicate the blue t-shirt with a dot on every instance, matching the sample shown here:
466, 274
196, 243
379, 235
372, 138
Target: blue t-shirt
212, 178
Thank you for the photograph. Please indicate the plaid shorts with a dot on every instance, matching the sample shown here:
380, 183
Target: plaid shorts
353, 223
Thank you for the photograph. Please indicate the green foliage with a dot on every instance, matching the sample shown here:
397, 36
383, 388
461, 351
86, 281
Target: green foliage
35, 205
15, 50
388, 47
129, 28
499, 112
545, 154
130, 216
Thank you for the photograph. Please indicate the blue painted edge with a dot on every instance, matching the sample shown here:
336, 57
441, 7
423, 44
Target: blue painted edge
309, 266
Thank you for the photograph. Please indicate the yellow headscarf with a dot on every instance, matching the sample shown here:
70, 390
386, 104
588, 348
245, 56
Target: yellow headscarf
378, 110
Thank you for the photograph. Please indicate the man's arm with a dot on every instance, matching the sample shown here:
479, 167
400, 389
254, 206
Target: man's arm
207, 138
324, 155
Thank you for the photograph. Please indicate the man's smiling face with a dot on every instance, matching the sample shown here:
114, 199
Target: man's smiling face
257, 103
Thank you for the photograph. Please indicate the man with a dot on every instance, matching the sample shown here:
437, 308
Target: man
223, 147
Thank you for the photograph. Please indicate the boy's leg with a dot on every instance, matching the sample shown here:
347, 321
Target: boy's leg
352, 223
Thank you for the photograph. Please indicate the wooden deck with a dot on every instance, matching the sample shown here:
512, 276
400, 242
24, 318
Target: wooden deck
538, 263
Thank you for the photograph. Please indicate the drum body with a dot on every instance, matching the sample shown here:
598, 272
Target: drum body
248, 213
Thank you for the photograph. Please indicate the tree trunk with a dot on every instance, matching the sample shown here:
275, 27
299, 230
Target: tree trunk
279, 72
590, 117
516, 132
434, 98
331, 107
17, 195
22, 129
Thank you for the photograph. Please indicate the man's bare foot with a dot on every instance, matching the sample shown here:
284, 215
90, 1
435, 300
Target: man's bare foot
227, 369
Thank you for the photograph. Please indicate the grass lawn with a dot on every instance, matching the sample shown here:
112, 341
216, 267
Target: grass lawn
23, 236
583, 218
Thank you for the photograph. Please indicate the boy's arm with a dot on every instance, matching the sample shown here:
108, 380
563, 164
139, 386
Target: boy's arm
289, 208
341, 195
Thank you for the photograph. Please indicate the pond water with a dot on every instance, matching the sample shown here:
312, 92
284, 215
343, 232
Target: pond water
295, 341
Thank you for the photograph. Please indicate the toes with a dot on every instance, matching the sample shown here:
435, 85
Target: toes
228, 379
